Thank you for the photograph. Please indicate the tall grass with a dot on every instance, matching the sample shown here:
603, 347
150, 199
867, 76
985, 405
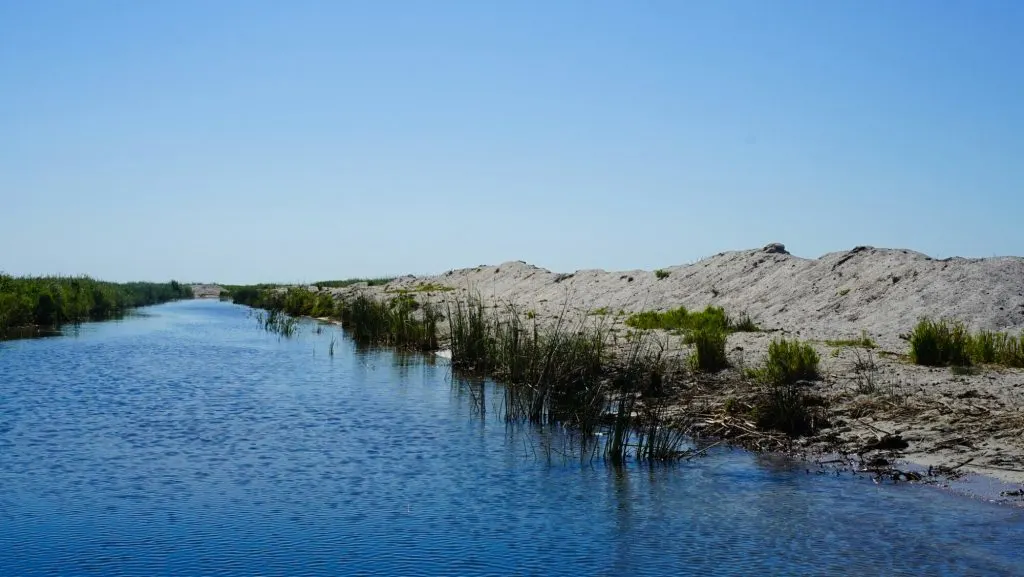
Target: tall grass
708, 349
51, 302
782, 404
400, 322
998, 348
565, 374
790, 361
946, 342
786, 408
940, 343
278, 323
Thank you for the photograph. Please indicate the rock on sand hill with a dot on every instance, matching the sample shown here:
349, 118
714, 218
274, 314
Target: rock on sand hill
881, 291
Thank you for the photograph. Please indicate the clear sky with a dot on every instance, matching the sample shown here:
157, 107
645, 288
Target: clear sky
263, 140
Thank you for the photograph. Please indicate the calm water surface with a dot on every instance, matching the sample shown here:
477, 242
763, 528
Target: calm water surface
188, 442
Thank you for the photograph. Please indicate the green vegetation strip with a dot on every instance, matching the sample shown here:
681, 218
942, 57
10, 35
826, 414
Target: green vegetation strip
680, 319
29, 303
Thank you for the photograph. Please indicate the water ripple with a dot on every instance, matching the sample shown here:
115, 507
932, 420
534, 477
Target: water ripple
187, 442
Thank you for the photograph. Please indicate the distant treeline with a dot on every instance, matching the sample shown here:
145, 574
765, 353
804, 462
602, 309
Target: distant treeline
51, 302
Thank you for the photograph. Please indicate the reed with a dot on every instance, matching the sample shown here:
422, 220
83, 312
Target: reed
790, 361
998, 348
940, 343
566, 374
399, 322
708, 349
278, 322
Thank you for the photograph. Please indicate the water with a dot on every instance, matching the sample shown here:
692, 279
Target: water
188, 442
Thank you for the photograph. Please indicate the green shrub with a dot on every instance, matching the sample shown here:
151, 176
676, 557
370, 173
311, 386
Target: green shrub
662, 274
940, 343
708, 349
790, 361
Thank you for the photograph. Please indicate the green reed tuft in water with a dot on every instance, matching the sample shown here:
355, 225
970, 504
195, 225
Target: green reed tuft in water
567, 374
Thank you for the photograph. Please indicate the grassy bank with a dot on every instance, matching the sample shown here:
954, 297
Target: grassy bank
399, 321
576, 371
29, 304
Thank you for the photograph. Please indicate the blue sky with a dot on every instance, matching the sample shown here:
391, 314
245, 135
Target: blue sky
248, 140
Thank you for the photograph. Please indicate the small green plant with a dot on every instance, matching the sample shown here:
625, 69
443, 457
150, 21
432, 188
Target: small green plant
843, 292
789, 361
708, 349
743, 324
603, 311
662, 274
940, 343
731, 406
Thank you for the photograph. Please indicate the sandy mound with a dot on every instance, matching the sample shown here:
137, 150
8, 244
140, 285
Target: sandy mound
881, 291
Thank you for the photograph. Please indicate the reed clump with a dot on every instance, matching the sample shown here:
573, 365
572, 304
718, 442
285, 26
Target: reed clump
279, 323
998, 348
566, 373
940, 343
788, 362
708, 349
399, 322
787, 408
946, 342
782, 404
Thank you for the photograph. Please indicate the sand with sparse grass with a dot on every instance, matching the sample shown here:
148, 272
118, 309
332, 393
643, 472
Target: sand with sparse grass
946, 418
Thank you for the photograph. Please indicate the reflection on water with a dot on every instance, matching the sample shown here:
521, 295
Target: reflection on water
189, 442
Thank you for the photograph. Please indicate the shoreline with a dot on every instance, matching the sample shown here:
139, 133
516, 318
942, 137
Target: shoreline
971, 422
983, 483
